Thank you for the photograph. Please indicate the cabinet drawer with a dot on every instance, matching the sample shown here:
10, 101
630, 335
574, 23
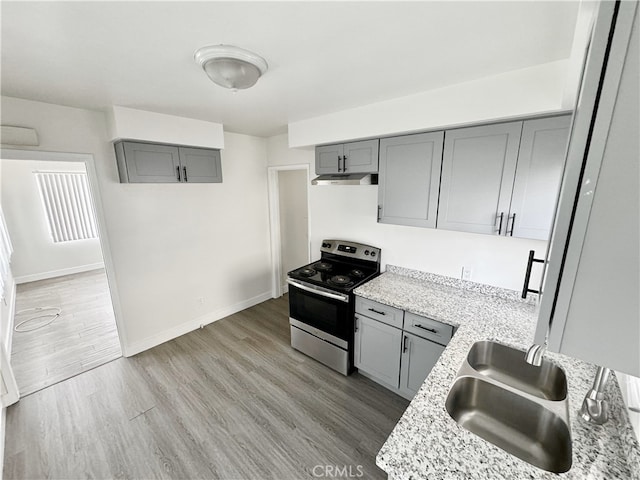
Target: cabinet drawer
427, 328
378, 311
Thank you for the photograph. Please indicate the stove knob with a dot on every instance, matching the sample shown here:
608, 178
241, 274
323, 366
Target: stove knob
366, 252
373, 254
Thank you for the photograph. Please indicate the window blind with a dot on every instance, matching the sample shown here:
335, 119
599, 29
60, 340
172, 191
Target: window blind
67, 203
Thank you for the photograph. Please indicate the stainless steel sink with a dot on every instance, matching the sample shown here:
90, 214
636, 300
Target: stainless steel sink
517, 425
518, 407
507, 365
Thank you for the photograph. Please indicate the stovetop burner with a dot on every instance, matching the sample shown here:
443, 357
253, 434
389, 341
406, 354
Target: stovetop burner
356, 272
341, 280
323, 266
307, 272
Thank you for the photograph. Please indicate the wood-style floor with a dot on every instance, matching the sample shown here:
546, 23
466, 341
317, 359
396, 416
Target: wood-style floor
81, 338
230, 401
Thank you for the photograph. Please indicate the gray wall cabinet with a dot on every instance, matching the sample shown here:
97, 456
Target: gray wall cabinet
352, 157
478, 169
409, 179
503, 179
140, 162
543, 148
395, 348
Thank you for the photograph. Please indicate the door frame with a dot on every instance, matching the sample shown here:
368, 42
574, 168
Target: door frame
94, 185
274, 221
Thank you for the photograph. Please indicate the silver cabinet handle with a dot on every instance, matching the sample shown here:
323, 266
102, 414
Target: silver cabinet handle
178, 172
356, 323
339, 158
318, 291
184, 169
344, 163
376, 311
405, 341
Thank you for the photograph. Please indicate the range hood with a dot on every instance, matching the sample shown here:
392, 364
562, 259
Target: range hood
346, 179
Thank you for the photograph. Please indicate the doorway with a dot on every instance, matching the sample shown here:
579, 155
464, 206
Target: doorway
64, 322
289, 212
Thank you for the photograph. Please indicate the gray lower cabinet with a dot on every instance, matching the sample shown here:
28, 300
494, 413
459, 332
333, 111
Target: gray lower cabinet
478, 169
140, 162
409, 179
397, 349
351, 157
377, 350
418, 358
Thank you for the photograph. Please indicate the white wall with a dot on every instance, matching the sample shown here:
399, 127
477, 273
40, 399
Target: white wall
294, 227
171, 245
35, 255
350, 212
528, 91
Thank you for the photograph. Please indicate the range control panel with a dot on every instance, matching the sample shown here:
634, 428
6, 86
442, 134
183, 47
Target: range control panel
351, 249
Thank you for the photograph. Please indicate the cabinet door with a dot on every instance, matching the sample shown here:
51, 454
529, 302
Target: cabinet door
360, 157
418, 358
409, 179
200, 165
150, 163
478, 168
538, 175
327, 159
377, 350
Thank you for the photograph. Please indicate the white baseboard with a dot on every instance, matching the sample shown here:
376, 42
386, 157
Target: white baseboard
3, 422
186, 327
58, 273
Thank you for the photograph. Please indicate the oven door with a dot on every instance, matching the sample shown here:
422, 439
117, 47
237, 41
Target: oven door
320, 308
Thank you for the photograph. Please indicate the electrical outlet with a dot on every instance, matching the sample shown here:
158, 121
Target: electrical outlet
466, 273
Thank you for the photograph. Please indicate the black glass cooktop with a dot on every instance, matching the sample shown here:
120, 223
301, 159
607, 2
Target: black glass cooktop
334, 275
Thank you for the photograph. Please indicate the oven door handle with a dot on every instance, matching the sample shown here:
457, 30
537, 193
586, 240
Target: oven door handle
324, 293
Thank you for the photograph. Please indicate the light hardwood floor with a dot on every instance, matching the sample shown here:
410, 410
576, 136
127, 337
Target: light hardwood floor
81, 338
230, 401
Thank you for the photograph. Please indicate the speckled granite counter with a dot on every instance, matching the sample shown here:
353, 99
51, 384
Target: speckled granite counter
428, 444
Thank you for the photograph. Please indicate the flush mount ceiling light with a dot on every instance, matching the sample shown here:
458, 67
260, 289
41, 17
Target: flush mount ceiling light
231, 67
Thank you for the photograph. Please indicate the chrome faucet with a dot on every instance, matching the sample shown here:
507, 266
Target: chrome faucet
595, 408
534, 355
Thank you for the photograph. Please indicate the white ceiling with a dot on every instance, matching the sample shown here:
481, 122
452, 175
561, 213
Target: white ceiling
323, 56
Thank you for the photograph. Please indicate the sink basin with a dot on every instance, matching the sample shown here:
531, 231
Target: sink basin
512, 422
507, 365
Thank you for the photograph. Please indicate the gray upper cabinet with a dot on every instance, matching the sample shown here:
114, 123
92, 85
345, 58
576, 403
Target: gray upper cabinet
201, 165
409, 179
327, 159
538, 175
147, 163
352, 157
478, 169
140, 162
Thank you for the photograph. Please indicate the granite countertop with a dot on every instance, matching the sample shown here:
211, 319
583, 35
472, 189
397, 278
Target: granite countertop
428, 444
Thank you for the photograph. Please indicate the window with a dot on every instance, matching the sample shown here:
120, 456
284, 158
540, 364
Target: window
67, 204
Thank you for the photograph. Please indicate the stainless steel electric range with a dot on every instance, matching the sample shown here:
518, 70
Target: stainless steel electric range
322, 303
